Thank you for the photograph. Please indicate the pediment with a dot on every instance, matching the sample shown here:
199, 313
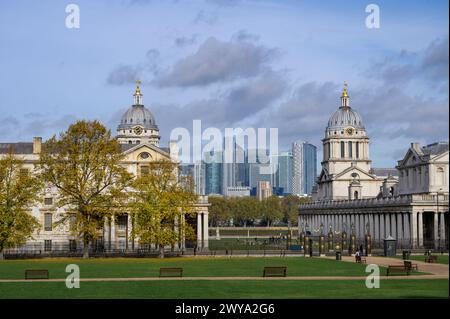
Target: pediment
347, 174
145, 152
411, 158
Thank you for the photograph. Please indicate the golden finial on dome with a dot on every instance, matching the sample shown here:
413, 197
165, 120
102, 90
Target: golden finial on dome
344, 92
138, 89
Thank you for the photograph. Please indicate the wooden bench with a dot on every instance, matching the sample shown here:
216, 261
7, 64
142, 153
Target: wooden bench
275, 272
408, 264
171, 272
397, 268
36, 274
431, 259
359, 259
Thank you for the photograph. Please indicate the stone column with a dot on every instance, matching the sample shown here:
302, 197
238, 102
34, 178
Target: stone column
400, 235
442, 230
436, 230
414, 226
406, 227
113, 232
376, 235
199, 230
382, 227
387, 224
205, 231
106, 232
393, 219
420, 229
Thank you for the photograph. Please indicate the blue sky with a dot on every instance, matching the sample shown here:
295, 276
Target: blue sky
270, 64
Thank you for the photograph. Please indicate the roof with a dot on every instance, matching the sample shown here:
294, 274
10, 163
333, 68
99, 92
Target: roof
18, 148
384, 172
435, 148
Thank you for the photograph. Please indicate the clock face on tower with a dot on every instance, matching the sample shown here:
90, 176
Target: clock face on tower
350, 130
138, 130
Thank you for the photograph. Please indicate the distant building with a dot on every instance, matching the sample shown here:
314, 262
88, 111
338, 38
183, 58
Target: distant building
263, 190
283, 175
304, 163
199, 175
238, 191
213, 172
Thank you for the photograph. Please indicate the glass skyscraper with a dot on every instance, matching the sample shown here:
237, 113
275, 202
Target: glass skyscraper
304, 160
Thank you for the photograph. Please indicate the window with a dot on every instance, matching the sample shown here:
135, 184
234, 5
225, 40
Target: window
357, 149
350, 149
145, 170
122, 222
48, 201
391, 191
47, 245
329, 150
356, 195
144, 155
342, 150
48, 222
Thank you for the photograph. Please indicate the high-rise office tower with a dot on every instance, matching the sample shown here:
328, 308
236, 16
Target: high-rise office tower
213, 173
304, 163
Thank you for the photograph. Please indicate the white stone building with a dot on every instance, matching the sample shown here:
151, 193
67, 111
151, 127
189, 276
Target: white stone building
409, 202
139, 138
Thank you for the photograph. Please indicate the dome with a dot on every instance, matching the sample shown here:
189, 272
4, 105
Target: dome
138, 115
343, 117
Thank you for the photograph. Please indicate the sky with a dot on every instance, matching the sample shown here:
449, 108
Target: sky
228, 63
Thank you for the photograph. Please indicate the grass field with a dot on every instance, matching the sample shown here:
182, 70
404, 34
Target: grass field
429, 288
192, 267
442, 259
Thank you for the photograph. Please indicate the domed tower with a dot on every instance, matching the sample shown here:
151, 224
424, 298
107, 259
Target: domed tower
345, 143
138, 123
346, 172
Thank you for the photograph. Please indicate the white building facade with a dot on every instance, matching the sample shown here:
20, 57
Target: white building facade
139, 138
408, 203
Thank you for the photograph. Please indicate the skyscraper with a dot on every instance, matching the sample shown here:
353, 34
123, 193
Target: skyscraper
213, 173
304, 160
283, 175
199, 178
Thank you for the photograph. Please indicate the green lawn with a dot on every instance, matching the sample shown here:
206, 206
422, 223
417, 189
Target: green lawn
200, 266
442, 259
407, 288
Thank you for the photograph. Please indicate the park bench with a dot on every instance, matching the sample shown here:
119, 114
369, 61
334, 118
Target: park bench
275, 272
361, 260
409, 265
397, 268
431, 259
36, 274
171, 272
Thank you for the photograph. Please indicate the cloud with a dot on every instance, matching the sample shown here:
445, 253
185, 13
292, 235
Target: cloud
429, 65
219, 61
127, 73
185, 41
203, 17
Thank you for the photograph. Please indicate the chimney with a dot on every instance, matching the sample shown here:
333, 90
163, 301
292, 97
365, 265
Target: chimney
173, 150
37, 143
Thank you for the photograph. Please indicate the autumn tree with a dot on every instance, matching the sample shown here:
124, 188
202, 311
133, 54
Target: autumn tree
271, 210
83, 163
162, 201
289, 207
219, 211
19, 190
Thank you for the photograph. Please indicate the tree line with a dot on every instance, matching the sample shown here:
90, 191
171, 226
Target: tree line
84, 165
249, 211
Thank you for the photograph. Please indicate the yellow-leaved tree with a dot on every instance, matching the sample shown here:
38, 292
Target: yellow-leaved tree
19, 189
83, 163
162, 201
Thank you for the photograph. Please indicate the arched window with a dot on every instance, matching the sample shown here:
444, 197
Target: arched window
350, 149
391, 191
357, 149
356, 195
342, 150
